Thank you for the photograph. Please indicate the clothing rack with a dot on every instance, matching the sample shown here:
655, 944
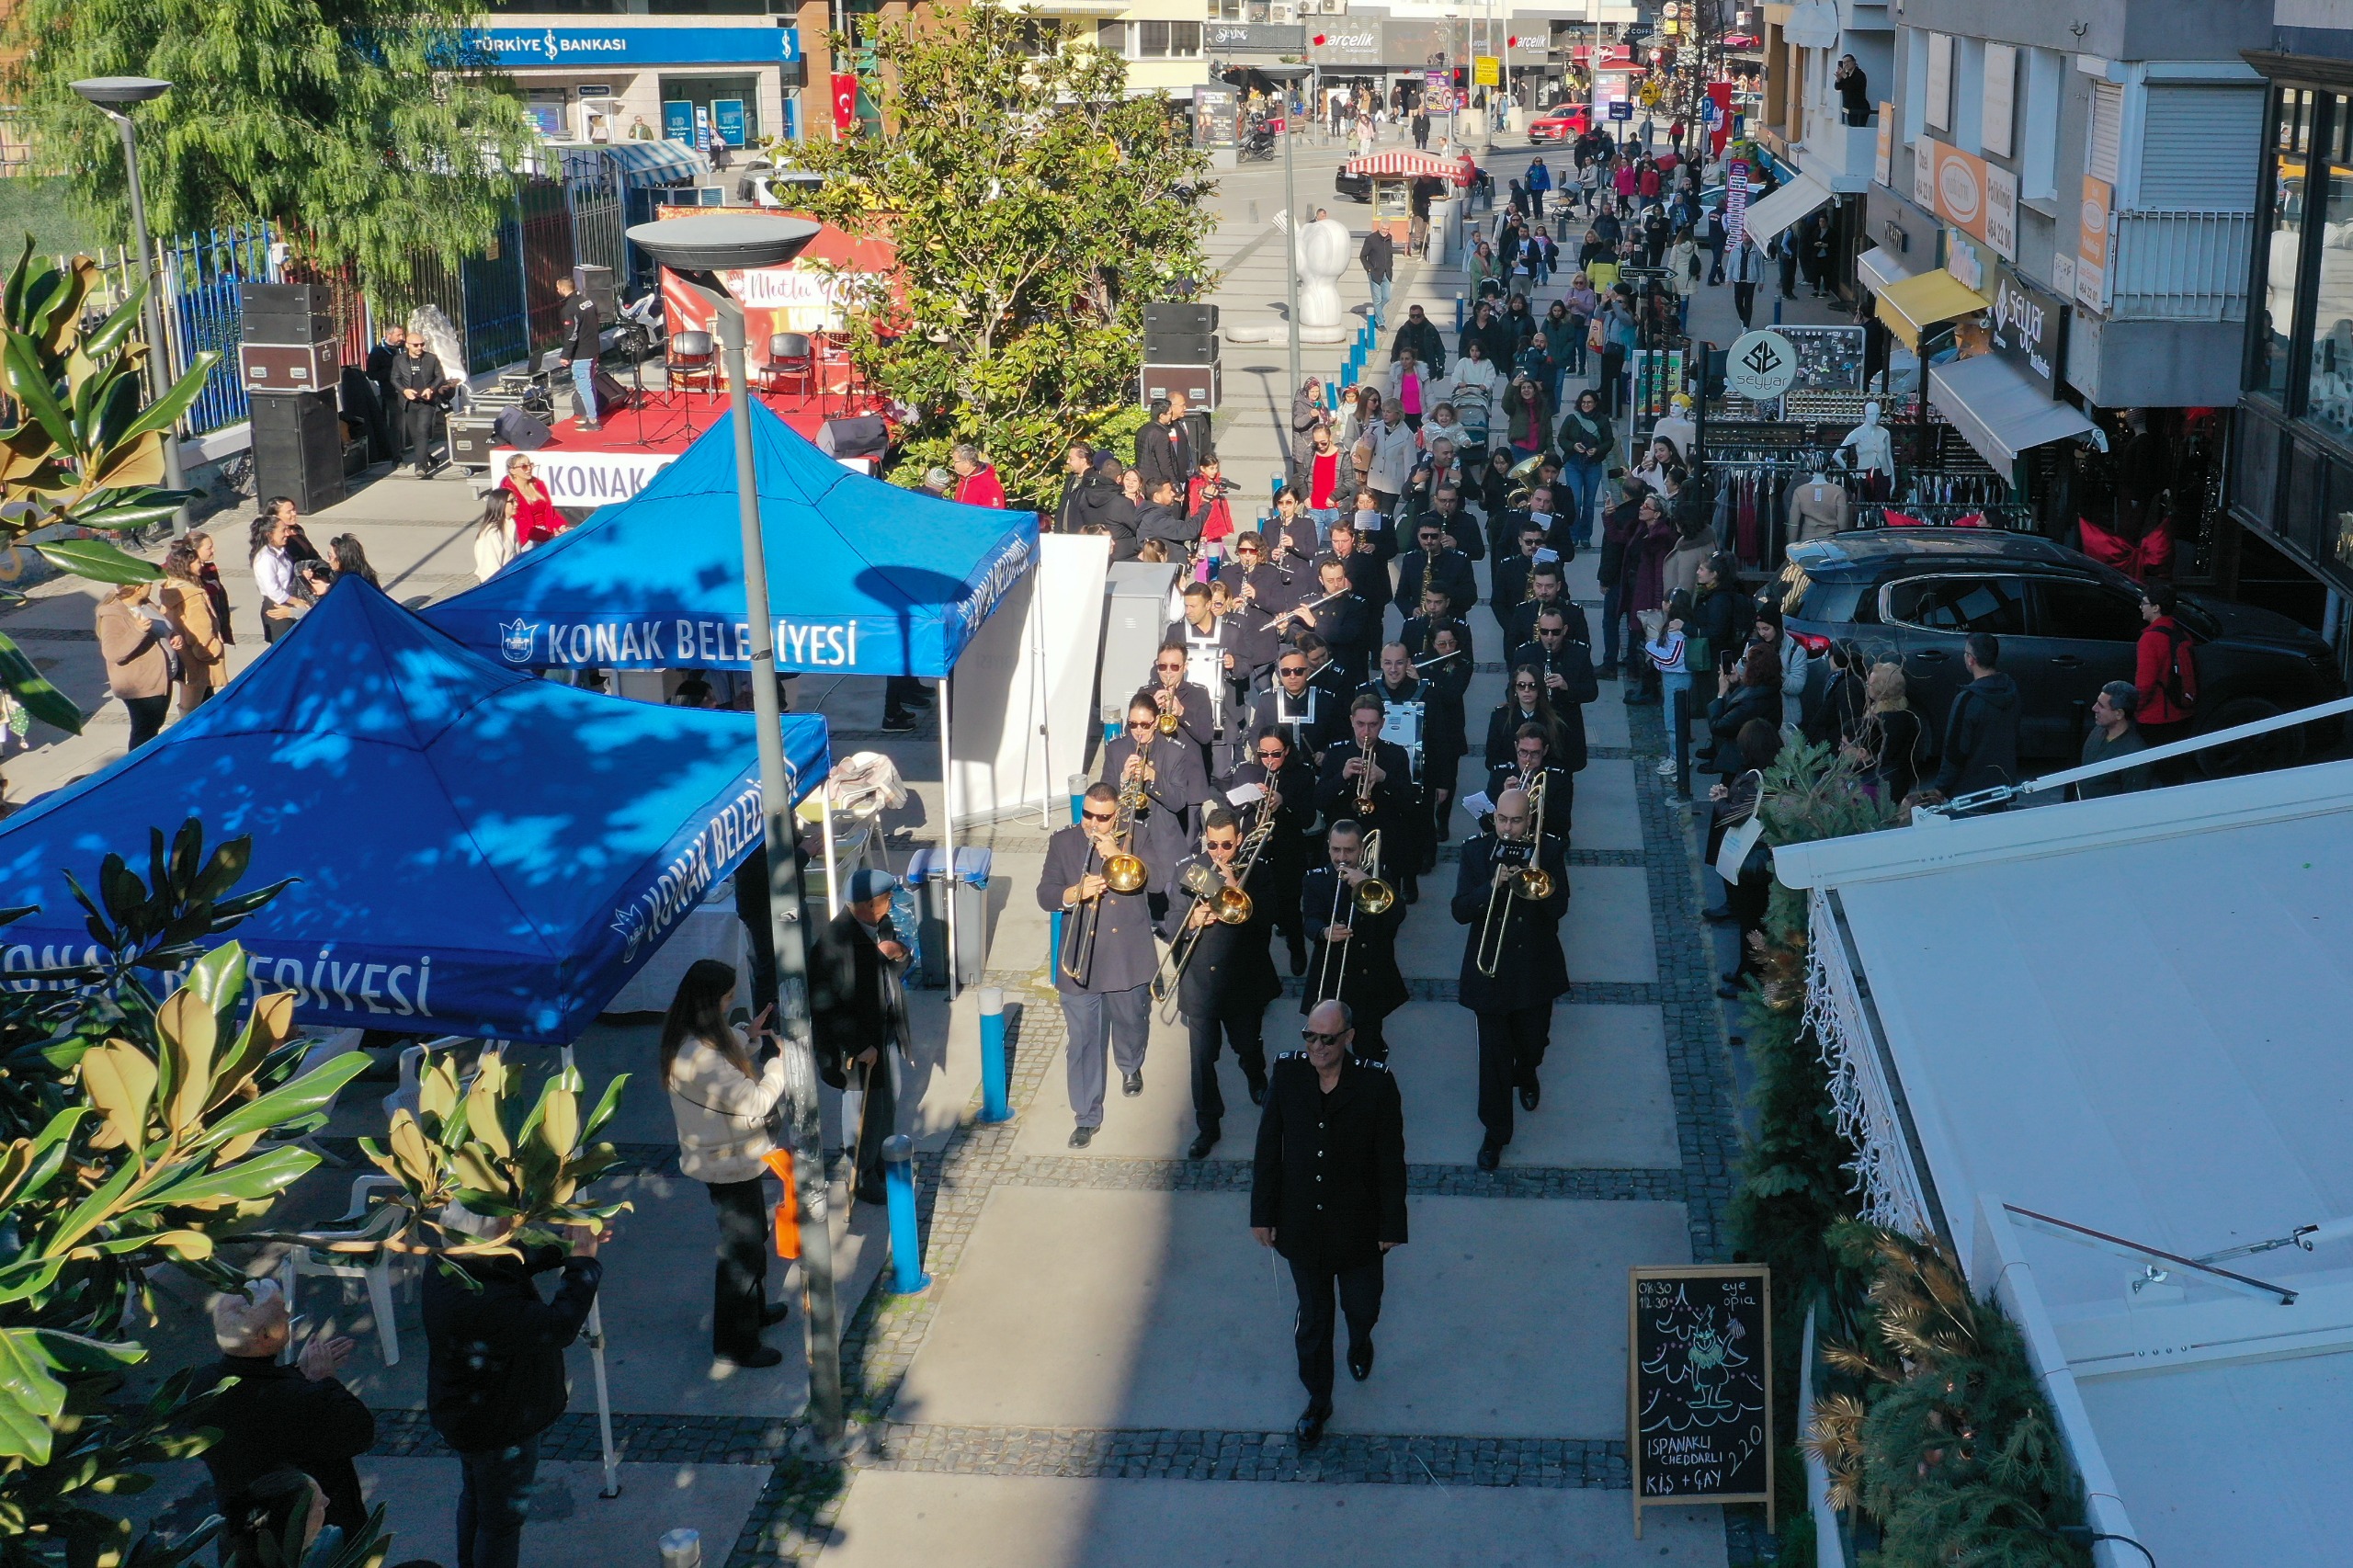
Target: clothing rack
2006, 517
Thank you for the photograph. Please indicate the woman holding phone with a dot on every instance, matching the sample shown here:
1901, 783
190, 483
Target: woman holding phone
724, 1085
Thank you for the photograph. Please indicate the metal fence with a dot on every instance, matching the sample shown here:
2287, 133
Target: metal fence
199, 277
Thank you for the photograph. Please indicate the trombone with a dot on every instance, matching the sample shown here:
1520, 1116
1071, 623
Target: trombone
1373, 897
1531, 881
1122, 873
1226, 894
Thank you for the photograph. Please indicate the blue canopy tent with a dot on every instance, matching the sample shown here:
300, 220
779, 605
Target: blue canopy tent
479, 852
864, 577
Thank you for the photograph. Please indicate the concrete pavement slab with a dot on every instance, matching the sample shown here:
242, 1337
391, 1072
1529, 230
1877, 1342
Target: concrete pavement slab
1094, 1308
1158, 1123
570, 1524
895, 1517
1607, 934
1606, 1103
1609, 815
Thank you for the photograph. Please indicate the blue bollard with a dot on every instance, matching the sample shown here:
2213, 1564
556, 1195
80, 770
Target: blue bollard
907, 1277
1776, 310
996, 1104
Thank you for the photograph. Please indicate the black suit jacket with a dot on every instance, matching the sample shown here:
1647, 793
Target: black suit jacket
1450, 571
857, 997
1557, 797
1124, 955
275, 1416
1230, 972
1573, 661
1195, 717
1420, 634
1313, 719
1533, 973
1329, 1175
1163, 451
1394, 799
1371, 983
1523, 621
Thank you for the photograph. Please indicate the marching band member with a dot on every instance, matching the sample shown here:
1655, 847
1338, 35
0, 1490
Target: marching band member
1227, 977
1420, 633
1446, 677
1565, 666
1524, 702
1514, 1005
1339, 618
1548, 589
1172, 691
1107, 1005
1368, 574
1399, 687
1371, 780
1252, 579
1290, 783
1435, 562
1174, 787
1511, 576
1370, 982
1532, 755
1307, 715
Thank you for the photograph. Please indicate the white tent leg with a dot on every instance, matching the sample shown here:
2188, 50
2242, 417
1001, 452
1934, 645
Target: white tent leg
947, 828
833, 871
596, 1333
1040, 706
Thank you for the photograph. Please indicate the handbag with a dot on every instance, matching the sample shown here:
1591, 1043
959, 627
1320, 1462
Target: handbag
1742, 843
1597, 335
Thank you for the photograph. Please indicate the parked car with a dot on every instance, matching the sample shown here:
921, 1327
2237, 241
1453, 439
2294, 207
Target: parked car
1561, 123
1356, 187
2067, 624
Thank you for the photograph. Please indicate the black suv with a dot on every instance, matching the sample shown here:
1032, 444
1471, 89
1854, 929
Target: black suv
1356, 187
2067, 624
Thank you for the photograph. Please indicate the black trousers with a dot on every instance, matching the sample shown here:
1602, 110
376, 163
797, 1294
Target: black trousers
900, 693
1244, 1028
147, 716
1359, 1292
416, 432
1372, 1045
1511, 1048
740, 1288
1744, 301
880, 1119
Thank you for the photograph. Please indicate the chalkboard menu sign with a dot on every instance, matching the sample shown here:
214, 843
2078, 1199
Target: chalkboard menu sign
1699, 1379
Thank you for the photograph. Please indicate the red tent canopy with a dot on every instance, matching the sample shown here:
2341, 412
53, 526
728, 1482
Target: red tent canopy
1415, 166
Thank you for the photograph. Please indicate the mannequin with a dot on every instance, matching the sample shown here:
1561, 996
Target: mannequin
1817, 509
1678, 426
1874, 460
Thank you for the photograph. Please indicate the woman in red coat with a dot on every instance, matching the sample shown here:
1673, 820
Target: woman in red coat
535, 518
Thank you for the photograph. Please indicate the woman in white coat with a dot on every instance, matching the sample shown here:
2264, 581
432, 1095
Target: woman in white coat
1395, 449
723, 1100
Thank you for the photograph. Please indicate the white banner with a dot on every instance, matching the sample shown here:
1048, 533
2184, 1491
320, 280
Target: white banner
590, 480
1031, 666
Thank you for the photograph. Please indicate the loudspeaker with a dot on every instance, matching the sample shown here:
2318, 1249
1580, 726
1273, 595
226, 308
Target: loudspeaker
1178, 316
517, 429
596, 284
298, 449
1180, 347
864, 437
1197, 383
471, 440
611, 396
289, 367
1196, 433
286, 312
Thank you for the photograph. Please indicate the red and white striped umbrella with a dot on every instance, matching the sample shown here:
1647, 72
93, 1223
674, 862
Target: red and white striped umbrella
1415, 166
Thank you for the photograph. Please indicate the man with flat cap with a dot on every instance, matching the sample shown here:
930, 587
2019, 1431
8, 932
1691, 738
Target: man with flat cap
1329, 1192
857, 1006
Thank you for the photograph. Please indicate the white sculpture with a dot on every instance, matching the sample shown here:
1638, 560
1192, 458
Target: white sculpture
1874, 448
1320, 252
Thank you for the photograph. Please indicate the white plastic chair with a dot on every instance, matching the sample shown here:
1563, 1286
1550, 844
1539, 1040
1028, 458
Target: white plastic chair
311, 1256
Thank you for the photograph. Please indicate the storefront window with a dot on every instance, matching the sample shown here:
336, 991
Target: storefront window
2291, 144
2331, 383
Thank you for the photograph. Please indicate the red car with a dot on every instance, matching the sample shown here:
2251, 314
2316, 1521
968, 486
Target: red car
1561, 124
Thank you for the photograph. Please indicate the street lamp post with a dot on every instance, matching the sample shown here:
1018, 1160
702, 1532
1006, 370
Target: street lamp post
1286, 77
114, 97
699, 250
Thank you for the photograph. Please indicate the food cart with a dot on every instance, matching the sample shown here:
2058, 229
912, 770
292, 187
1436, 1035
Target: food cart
1393, 175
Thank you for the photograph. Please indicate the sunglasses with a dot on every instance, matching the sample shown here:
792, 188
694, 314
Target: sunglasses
1523, 686
1098, 816
1292, 670
1550, 631
1142, 723
1317, 1036
1165, 669
1272, 755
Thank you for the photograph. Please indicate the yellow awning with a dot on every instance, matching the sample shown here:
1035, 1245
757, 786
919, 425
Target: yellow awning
1911, 305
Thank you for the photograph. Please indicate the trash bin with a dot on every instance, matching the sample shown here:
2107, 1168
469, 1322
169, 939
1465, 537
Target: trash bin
926, 872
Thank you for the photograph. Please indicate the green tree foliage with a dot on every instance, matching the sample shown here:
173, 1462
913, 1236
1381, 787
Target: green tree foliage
1035, 206
366, 129
136, 1130
81, 444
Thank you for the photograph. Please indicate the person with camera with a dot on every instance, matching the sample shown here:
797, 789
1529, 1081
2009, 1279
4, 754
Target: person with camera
272, 1414
724, 1090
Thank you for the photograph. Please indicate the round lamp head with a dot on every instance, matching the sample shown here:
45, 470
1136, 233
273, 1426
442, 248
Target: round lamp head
724, 241
1284, 72
120, 92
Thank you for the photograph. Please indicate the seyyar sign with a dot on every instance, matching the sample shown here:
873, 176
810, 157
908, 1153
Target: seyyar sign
2029, 329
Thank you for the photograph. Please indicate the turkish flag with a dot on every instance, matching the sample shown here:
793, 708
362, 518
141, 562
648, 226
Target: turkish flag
845, 103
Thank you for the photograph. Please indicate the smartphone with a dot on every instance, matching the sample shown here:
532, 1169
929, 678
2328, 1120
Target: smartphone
1724, 657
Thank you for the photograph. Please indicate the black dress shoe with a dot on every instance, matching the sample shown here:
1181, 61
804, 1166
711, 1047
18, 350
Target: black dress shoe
1080, 1137
1529, 1093
1257, 1091
1360, 1360
1198, 1149
1490, 1154
1309, 1428
1132, 1085
774, 1313
1298, 956
1729, 992
760, 1356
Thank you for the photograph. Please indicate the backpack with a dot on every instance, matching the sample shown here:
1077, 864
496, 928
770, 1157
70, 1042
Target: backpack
2181, 669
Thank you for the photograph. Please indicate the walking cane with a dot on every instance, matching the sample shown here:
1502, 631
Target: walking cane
595, 1330
864, 1110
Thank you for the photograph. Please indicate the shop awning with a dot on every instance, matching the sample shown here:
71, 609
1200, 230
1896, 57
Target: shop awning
1912, 305
1998, 411
1878, 269
643, 164
1776, 212
1412, 165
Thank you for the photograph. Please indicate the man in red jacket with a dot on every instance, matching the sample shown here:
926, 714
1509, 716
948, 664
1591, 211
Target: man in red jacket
976, 481
2166, 672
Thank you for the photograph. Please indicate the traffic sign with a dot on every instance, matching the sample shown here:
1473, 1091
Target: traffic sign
1486, 70
1761, 365
1712, 113
1621, 110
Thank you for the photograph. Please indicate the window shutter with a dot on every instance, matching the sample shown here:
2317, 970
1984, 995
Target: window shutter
2104, 132
2195, 147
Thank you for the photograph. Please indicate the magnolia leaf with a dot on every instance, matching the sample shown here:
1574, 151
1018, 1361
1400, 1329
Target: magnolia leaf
165, 411
560, 1120
291, 1102
190, 1033
188, 1246
28, 686
97, 560
27, 382
436, 1090
31, 1397
269, 1024
264, 1176
139, 460
482, 1107
120, 1078
417, 1169
475, 1169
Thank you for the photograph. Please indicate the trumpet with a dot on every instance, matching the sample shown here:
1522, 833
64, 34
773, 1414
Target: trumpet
1531, 883
1172, 711
1365, 805
1373, 897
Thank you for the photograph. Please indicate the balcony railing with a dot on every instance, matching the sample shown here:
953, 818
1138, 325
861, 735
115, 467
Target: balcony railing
2180, 266
1841, 156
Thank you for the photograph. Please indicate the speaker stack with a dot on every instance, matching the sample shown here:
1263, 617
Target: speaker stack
289, 357
1181, 353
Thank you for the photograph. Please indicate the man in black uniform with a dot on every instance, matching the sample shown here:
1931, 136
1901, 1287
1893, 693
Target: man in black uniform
1511, 576
1530, 757
1356, 949
858, 1005
1309, 716
1397, 685
1432, 563
1549, 590
1342, 622
1514, 1005
582, 341
1420, 634
1107, 1003
1276, 769
1368, 769
1172, 690
1228, 978
419, 384
1327, 1190
1175, 788
1368, 574
1566, 665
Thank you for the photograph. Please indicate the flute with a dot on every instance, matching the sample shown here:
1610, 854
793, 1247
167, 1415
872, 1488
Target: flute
1311, 604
